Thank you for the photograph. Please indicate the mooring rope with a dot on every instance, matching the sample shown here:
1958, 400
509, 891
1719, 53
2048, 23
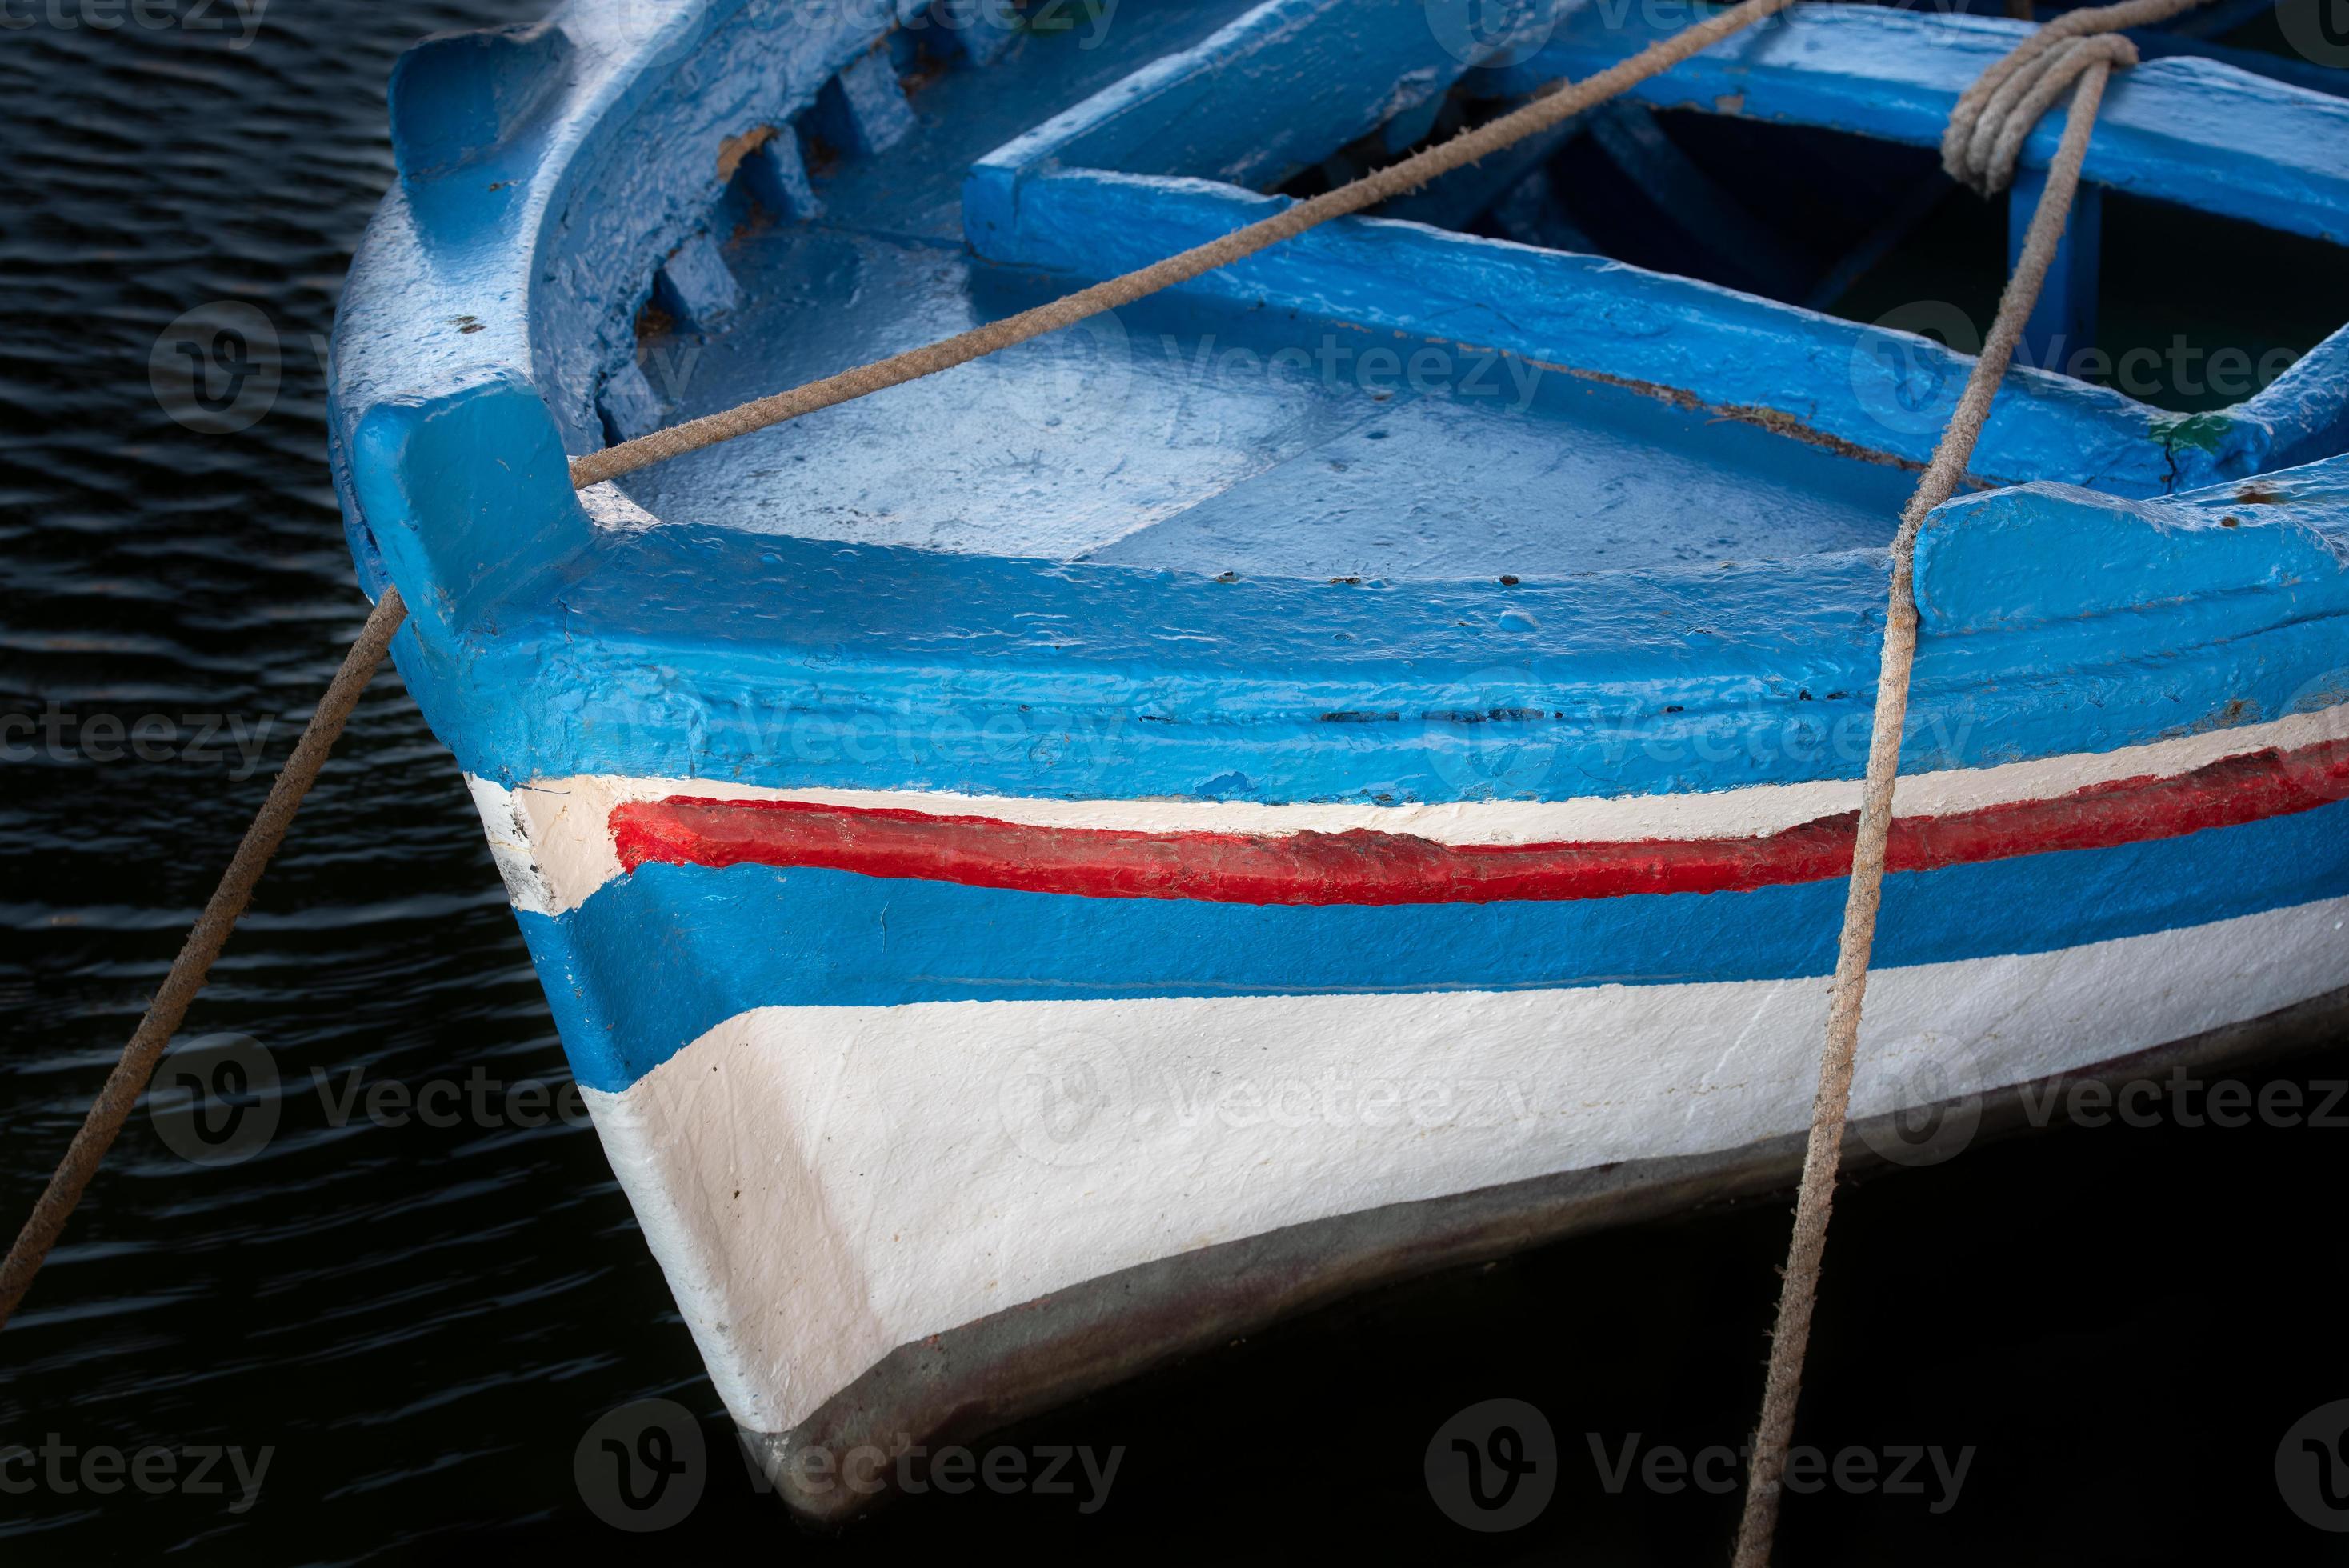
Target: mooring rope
1986, 134
1996, 115
205, 939
137, 1066
1368, 190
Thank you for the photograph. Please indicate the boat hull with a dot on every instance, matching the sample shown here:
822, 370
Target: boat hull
909, 1091
957, 1385
1343, 769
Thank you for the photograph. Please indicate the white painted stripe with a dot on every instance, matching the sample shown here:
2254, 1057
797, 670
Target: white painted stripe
823, 1184
559, 830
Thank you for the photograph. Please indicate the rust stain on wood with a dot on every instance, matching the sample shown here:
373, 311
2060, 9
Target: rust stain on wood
735, 148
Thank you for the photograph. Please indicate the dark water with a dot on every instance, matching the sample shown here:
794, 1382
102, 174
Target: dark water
419, 1323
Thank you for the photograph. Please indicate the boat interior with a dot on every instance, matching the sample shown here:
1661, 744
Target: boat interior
1719, 321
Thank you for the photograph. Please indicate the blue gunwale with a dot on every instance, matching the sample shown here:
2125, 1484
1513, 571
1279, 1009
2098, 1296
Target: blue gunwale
543, 645
777, 661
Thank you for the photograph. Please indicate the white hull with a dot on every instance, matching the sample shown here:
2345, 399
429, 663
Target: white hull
824, 1185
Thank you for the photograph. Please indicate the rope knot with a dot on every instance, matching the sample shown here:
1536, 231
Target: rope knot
2006, 103
1997, 114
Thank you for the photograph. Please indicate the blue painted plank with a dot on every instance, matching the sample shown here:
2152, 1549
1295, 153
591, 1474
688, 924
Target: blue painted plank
2039, 554
778, 177
2187, 130
696, 286
864, 111
2303, 408
2331, 80
780, 660
1273, 94
1727, 349
630, 406
2062, 322
1880, 73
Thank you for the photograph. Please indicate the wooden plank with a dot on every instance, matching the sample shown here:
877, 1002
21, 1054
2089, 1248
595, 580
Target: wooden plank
2062, 324
2191, 131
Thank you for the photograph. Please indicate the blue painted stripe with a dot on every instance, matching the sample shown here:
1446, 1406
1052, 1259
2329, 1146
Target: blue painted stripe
655, 961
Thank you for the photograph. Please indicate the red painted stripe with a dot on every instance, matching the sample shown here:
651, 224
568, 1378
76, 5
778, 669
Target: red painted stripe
1360, 866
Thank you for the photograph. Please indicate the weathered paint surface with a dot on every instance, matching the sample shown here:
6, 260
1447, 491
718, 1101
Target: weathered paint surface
2193, 131
1075, 194
559, 843
824, 1185
758, 936
1363, 866
1352, 641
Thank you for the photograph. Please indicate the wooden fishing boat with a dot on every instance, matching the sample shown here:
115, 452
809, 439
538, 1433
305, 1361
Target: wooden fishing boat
1344, 768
